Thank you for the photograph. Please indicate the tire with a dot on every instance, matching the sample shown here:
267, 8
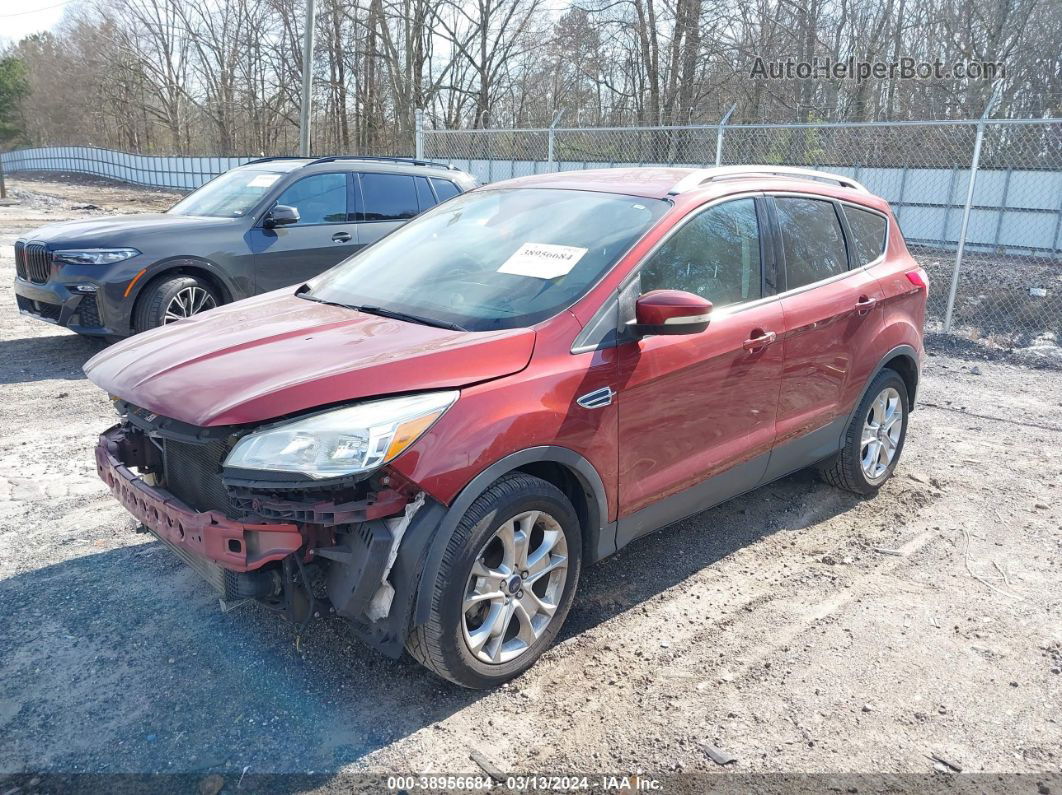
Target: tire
445, 642
156, 305
857, 467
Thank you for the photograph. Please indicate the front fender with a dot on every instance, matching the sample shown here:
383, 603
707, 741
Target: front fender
599, 536
160, 267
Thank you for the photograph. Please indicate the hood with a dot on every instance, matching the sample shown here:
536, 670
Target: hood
119, 230
277, 354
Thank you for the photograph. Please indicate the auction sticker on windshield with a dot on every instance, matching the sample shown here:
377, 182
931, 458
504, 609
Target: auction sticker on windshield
542, 260
263, 180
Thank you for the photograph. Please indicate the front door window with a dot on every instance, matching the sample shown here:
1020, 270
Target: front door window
320, 199
715, 256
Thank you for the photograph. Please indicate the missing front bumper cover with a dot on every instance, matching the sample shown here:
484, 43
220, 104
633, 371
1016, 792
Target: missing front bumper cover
372, 567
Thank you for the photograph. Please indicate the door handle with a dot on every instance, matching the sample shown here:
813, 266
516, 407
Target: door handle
341, 237
759, 340
865, 304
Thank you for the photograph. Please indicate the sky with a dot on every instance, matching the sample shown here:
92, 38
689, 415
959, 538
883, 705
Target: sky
20, 18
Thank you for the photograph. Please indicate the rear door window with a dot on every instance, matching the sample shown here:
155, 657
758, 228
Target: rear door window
425, 198
388, 197
444, 189
812, 240
716, 255
320, 199
868, 233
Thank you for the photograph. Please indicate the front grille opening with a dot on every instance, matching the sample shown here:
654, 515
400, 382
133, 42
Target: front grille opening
192, 474
40, 308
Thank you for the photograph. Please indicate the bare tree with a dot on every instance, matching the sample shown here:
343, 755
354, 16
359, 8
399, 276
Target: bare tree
223, 76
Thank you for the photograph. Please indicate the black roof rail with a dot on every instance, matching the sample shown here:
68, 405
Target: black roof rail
310, 161
273, 157
380, 158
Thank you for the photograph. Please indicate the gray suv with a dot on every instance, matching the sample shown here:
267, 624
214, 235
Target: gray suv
267, 224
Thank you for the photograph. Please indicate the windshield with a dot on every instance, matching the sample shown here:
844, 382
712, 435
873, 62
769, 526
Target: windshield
493, 259
232, 195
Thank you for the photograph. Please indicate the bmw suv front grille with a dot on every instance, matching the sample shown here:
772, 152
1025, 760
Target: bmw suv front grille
32, 262
20, 260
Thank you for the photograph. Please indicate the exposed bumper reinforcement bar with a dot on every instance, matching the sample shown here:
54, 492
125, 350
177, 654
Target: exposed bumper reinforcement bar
209, 536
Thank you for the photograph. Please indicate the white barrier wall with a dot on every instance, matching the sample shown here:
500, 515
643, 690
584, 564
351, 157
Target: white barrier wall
181, 173
1014, 211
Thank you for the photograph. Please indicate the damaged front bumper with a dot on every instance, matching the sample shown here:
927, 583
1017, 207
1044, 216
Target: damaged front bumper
236, 546
371, 563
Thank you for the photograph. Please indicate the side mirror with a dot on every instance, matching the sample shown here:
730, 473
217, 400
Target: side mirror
671, 312
281, 215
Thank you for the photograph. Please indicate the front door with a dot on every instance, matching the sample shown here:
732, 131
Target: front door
324, 235
697, 412
833, 315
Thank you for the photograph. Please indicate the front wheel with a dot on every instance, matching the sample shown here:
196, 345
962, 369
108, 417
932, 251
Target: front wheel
169, 300
505, 586
874, 439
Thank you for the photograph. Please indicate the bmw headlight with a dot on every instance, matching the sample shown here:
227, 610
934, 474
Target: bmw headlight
93, 256
344, 441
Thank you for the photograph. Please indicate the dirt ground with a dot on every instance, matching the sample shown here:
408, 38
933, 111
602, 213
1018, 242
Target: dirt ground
798, 629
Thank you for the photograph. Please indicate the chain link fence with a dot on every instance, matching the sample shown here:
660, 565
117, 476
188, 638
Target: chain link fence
980, 201
999, 238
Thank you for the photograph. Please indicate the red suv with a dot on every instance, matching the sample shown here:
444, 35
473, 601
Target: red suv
431, 439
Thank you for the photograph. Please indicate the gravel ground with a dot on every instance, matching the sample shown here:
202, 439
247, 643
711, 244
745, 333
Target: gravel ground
798, 628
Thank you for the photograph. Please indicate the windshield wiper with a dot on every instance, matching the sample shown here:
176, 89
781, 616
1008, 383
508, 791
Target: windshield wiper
424, 321
304, 294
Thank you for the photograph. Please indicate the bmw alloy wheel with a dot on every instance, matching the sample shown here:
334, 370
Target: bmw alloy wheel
189, 301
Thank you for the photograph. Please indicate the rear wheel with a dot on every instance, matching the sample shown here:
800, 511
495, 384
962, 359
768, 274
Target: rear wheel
874, 439
171, 299
505, 586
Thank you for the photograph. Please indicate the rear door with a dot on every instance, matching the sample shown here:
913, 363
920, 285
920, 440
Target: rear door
324, 235
832, 307
386, 201
697, 412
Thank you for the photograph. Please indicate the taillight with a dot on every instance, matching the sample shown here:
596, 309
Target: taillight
919, 279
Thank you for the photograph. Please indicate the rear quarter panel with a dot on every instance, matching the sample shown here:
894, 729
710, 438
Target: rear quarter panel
904, 303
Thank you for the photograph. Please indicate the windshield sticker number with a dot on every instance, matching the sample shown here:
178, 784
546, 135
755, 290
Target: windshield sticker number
542, 260
263, 180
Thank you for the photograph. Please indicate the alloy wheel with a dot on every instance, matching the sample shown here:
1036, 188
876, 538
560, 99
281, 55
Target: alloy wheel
881, 433
188, 301
515, 587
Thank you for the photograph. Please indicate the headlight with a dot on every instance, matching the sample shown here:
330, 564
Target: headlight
342, 442
93, 256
